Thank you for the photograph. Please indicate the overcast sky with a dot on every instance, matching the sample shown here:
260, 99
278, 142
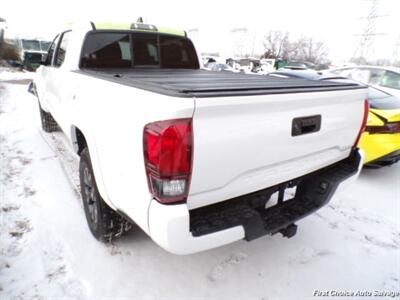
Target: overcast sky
336, 22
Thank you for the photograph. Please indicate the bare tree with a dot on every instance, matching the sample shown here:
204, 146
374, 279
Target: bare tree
308, 49
277, 45
8, 52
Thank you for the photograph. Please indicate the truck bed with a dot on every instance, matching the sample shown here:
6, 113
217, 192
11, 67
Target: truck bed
202, 83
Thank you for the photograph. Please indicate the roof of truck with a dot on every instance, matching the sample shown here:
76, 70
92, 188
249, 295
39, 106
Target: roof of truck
202, 83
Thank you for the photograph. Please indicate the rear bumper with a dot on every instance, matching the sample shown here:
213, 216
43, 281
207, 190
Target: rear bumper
181, 231
386, 160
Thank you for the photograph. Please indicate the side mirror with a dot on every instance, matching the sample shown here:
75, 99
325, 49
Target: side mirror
43, 60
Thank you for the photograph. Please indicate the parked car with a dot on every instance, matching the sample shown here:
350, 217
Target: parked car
191, 156
381, 139
44, 45
208, 62
267, 65
299, 65
248, 65
386, 79
218, 67
30, 52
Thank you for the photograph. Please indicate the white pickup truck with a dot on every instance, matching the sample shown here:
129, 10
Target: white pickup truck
193, 157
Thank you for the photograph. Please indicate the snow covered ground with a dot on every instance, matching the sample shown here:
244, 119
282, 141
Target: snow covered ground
12, 74
47, 251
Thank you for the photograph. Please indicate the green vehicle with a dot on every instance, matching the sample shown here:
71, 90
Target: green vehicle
31, 51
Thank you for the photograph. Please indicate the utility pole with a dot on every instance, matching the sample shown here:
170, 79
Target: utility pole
2, 29
239, 36
396, 53
366, 44
253, 42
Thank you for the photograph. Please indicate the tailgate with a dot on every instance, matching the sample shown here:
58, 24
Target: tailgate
245, 144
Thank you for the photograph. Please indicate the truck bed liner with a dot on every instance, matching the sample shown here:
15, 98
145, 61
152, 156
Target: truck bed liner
202, 83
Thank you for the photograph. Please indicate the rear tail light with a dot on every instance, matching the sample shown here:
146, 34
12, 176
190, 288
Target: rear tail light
168, 148
364, 122
387, 128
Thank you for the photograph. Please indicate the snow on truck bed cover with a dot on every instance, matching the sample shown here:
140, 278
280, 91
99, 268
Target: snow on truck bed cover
201, 83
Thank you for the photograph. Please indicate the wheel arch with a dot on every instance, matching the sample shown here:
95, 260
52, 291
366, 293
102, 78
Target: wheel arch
36, 88
79, 142
78, 139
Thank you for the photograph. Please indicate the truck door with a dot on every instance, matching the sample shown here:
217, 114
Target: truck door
55, 79
43, 77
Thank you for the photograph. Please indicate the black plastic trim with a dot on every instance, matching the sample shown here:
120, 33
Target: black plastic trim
386, 160
313, 192
32, 88
305, 125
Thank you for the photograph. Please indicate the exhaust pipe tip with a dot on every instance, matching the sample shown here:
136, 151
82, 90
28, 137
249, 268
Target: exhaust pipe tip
289, 231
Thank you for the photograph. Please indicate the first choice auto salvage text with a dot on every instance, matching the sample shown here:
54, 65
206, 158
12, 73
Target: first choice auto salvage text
358, 293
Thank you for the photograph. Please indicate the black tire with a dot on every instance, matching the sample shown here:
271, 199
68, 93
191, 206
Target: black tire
104, 223
48, 122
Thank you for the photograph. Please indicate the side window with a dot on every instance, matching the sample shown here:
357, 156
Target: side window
50, 52
376, 76
61, 50
361, 75
391, 80
107, 50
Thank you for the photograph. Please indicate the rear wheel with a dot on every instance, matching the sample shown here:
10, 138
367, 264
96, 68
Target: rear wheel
48, 122
104, 223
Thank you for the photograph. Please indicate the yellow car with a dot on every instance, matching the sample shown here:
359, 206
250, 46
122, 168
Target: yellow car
381, 139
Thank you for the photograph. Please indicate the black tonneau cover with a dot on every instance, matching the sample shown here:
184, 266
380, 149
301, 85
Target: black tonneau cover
202, 83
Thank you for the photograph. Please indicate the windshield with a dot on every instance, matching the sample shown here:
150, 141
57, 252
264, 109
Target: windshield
31, 45
45, 45
138, 50
391, 80
225, 67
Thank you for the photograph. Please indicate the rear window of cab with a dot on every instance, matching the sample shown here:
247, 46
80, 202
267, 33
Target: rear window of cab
138, 49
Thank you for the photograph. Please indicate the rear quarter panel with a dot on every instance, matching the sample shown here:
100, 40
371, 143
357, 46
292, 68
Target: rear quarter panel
112, 117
